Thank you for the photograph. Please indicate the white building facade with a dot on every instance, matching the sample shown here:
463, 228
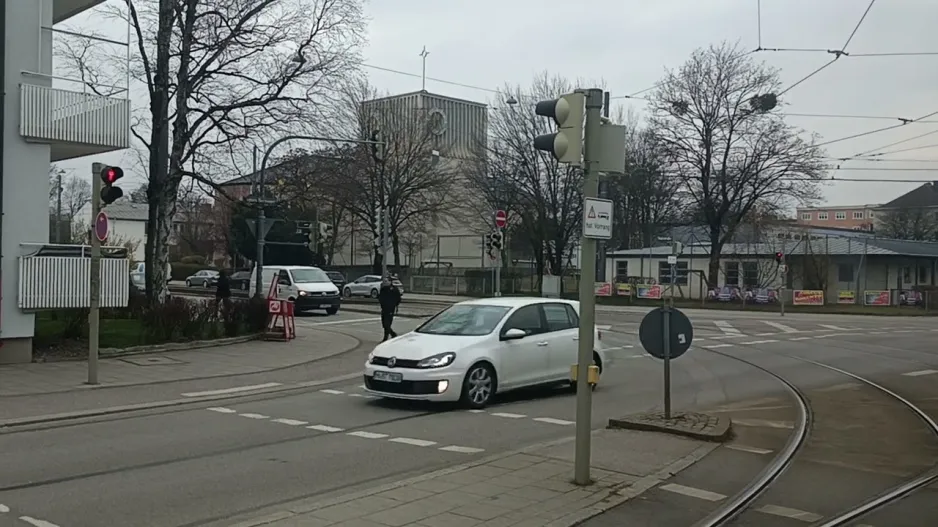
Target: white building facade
42, 123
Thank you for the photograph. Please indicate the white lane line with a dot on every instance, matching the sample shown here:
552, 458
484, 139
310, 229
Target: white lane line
786, 512
367, 435
726, 327
476, 411
692, 492
835, 328
800, 338
828, 335
4, 508
37, 523
325, 428
508, 416
335, 322
750, 449
765, 423
290, 422
255, 416
767, 341
462, 449
781, 327
412, 441
333, 392
713, 346
618, 348
221, 410
604, 328
642, 356
920, 373
551, 420
237, 389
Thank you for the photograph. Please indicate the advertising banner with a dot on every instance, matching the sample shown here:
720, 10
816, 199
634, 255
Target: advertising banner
724, 294
603, 288
910, 298
623, 289
876, 298
807, 297
648, 292
846, 297
762, 296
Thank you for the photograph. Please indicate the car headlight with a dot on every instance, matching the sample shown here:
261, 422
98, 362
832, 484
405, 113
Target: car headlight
438, 361
371, 357
302, 293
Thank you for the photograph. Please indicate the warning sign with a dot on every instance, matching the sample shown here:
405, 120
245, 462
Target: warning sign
597, 220
592, 213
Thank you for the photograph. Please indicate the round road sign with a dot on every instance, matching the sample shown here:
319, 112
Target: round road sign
651, 333
501, 219
101, 226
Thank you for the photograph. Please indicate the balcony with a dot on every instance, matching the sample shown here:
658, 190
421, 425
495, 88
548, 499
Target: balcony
75, 124
65, 9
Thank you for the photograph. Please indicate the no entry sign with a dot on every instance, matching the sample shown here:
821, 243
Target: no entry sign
501, 219
101, 226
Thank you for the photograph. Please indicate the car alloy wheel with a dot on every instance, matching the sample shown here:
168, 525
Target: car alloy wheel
205, 283
374, 293
478, 386
244, 286
347, 293
188, 283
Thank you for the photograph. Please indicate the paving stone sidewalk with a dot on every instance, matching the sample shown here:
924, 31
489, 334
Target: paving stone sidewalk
233, 359
528, 488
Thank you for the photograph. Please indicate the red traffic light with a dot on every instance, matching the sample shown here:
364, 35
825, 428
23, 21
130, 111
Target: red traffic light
110, 175
779, 256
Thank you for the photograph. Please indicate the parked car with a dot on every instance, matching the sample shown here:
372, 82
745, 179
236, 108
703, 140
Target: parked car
240, 280
475, 349
204, 278
337, 278
367, 285
308, 287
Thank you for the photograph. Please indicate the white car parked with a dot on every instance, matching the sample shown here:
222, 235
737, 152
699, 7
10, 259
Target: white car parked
475, 349
368, 285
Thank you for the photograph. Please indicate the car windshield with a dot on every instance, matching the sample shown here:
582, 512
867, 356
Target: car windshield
465, 320
335, 275
308, 276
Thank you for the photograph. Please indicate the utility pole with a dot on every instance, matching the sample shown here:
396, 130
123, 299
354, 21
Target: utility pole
58, 208
94, 311
385, 238
259, 231
603, 193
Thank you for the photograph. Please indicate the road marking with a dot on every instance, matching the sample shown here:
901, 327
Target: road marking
835, 328
236, 389
877, 332
750, 449
333, 392
221, 410
692, 492
604, 328
826, 336
335, 322
800, 338
920, 373
255, 416
767, 341
618, 348
726, 327
462, 449
325, 428
782, 327
553, 421
290, 422
786, 512
4, 508
713, 346
508, 416
749, 409
38, 523
412, 441
641, 356
368, 435
765, 423
476, 411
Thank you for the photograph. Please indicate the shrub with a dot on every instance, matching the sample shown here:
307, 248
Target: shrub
193, 259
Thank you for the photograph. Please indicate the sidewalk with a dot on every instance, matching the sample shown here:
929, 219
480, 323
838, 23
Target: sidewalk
527, 488
234, 359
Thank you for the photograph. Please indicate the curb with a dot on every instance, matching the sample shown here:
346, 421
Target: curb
614, 498
114, 353
721, 429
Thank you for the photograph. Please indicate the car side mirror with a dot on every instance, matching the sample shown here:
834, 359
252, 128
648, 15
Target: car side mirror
514, 334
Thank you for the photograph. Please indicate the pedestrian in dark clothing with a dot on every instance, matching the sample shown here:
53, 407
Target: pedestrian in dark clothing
389, 297
222, 290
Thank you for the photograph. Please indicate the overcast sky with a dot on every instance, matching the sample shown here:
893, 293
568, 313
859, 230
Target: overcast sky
629, 43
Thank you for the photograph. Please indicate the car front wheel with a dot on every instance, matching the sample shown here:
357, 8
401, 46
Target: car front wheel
374, 293
478, 386
188, 283
347, 292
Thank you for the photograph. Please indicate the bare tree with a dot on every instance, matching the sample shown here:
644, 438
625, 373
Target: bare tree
221, 72
403, 174
75, 193
908, 224
728, 152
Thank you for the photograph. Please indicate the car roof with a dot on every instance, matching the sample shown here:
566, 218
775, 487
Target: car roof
289, 267
518, 301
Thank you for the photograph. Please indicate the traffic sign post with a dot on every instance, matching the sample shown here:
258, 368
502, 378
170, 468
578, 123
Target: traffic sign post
597, 218
666, 333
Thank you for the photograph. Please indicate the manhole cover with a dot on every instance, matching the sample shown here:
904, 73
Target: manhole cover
152, 361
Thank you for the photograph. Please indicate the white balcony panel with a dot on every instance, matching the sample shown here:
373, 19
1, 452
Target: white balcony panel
86, 123
60, 282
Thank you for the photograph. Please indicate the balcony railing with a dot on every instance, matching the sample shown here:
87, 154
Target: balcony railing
53, 115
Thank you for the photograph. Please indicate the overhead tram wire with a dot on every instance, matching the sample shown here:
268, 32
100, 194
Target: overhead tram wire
869, 153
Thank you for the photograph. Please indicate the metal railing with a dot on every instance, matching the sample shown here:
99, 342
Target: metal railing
56, 115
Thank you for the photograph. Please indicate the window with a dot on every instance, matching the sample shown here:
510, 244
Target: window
869, 214
558, 318
469, 320
622, 269
840, 216
922, 274
283, 278
527, 319
732, 273
664, 273
750, 274
845, 273
310, 276
858, 214
906, 275
822, 215
806, 215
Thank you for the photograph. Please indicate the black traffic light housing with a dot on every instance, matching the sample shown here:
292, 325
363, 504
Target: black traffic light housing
109, 192
496, 238
779, 257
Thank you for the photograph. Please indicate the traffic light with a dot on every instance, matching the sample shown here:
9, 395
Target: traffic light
109, 192
496, 238
567, 144
325, 231
779, 257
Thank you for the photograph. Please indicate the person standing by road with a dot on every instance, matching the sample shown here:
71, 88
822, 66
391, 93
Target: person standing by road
222, 290
389, 297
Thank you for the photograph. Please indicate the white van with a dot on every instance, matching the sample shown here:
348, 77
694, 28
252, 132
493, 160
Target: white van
308, 287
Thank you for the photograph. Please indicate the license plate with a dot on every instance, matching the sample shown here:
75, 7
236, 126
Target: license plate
388, 376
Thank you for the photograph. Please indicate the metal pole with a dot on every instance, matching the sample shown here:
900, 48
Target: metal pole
58, 209
603, 193
385, 238
498, 265
667, 361
94, 312
584, 399
259, 228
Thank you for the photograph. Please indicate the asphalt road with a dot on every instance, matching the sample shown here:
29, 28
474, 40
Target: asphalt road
199, 463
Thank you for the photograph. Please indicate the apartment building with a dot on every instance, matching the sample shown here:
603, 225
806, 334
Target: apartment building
45, 118
856, 217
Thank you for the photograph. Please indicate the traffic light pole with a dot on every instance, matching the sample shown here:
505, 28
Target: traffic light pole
584, 395
498, 269
94, 311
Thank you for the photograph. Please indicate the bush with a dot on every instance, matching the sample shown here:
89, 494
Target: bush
192, 259
182, 270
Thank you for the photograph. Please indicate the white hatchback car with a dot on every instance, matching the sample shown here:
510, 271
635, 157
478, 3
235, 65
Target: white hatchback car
474, 349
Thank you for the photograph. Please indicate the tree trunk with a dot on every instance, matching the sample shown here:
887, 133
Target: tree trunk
716, 247
396, 247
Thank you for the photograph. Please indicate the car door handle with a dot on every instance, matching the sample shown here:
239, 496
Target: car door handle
541, 343
576, 338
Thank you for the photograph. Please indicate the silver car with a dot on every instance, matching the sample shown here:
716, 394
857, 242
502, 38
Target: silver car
367, 285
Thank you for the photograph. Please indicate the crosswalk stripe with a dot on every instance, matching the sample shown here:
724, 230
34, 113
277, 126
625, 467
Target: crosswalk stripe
781, 327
